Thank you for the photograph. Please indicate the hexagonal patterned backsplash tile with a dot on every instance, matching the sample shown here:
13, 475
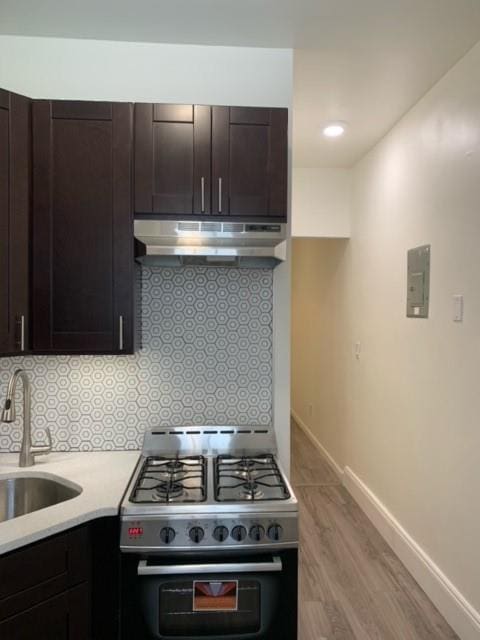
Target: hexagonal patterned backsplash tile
206, 358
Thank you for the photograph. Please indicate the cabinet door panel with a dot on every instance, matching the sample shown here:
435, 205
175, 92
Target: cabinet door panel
27, 568
172, 159
4, 99
173, 113
32, 574
278, 162
173, 167
249, 160
248, 185
5, 345
63, 617
46, 620
249, 115
14, 221
82, 228
69, 110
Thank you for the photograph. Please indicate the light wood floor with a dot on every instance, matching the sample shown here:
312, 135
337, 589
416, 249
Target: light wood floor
352, 586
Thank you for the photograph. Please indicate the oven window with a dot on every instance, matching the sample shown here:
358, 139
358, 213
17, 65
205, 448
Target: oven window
193, 608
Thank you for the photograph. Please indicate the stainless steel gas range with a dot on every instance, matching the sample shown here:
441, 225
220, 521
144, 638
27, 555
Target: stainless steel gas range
209, 537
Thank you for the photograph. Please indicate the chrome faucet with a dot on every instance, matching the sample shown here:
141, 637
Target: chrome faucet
27, 451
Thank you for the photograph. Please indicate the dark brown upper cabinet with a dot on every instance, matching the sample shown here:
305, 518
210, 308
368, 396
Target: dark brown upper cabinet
82, 227
172, 159
249, 162
193, 161
14, 222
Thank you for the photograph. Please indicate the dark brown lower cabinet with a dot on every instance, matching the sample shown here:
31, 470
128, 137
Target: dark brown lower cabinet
63, 587
63, 617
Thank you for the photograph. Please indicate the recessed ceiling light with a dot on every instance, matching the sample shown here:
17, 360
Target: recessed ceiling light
334, 129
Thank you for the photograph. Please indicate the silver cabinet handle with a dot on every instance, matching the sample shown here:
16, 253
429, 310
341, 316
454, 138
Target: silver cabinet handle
120, 333
219, 195
145, 569
22, 333
203, 194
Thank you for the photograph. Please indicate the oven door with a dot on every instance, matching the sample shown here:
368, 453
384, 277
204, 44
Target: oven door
212, 600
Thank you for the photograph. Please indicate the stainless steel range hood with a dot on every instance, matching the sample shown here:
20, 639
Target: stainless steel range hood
235, 244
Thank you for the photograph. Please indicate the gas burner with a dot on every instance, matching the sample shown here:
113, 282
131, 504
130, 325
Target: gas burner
251, 491
174, 466
177, 463
168, 491
243, 467
166, 480
245, 463
253, 479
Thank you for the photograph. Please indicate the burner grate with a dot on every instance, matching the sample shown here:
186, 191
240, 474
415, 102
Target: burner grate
240, 479
179, 479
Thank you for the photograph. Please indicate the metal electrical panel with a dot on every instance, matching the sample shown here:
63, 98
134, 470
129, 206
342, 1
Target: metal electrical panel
418, 282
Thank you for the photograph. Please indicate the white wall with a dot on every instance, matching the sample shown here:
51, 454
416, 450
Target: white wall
414, 433
411, 429
321, 203
98, 70
318, 389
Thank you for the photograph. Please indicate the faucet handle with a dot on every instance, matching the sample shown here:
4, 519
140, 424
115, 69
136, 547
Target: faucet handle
43, 449
49, 438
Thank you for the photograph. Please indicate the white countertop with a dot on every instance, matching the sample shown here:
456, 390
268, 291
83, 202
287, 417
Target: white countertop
103, 477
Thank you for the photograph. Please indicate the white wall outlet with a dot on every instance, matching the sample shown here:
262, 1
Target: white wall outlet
458, 308
358, 350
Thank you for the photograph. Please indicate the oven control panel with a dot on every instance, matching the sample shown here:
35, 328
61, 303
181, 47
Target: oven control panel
187, 532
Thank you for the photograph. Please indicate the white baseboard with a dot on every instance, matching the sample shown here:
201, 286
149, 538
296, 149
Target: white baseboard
459, 613
307, 431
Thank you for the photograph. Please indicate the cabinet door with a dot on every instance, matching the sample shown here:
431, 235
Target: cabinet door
249, 160
14, 221
172, 159
82, 227
33, 574
64, 617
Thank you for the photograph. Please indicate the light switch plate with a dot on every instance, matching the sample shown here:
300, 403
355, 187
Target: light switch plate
418, 282
458, 308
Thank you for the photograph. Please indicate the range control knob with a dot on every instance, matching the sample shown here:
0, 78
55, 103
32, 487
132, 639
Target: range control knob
239, 533
167, 535
275, 532
220, 533
196, 534
257, 532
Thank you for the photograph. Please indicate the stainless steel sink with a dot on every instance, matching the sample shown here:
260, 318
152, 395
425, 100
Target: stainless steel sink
22, 495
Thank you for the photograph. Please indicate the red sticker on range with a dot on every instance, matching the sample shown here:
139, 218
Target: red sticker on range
215, 595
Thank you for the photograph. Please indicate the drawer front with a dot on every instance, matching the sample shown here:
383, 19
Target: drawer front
37, 563
63, 617
38, 572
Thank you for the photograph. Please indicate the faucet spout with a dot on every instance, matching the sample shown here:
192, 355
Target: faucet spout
27, 451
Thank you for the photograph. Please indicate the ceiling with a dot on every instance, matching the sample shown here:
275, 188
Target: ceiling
370, 68
363, 61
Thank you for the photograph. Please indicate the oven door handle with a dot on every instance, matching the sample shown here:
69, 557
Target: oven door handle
144, 569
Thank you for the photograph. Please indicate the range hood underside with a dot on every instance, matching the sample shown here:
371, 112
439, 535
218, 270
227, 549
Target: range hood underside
169, 246
261, 258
